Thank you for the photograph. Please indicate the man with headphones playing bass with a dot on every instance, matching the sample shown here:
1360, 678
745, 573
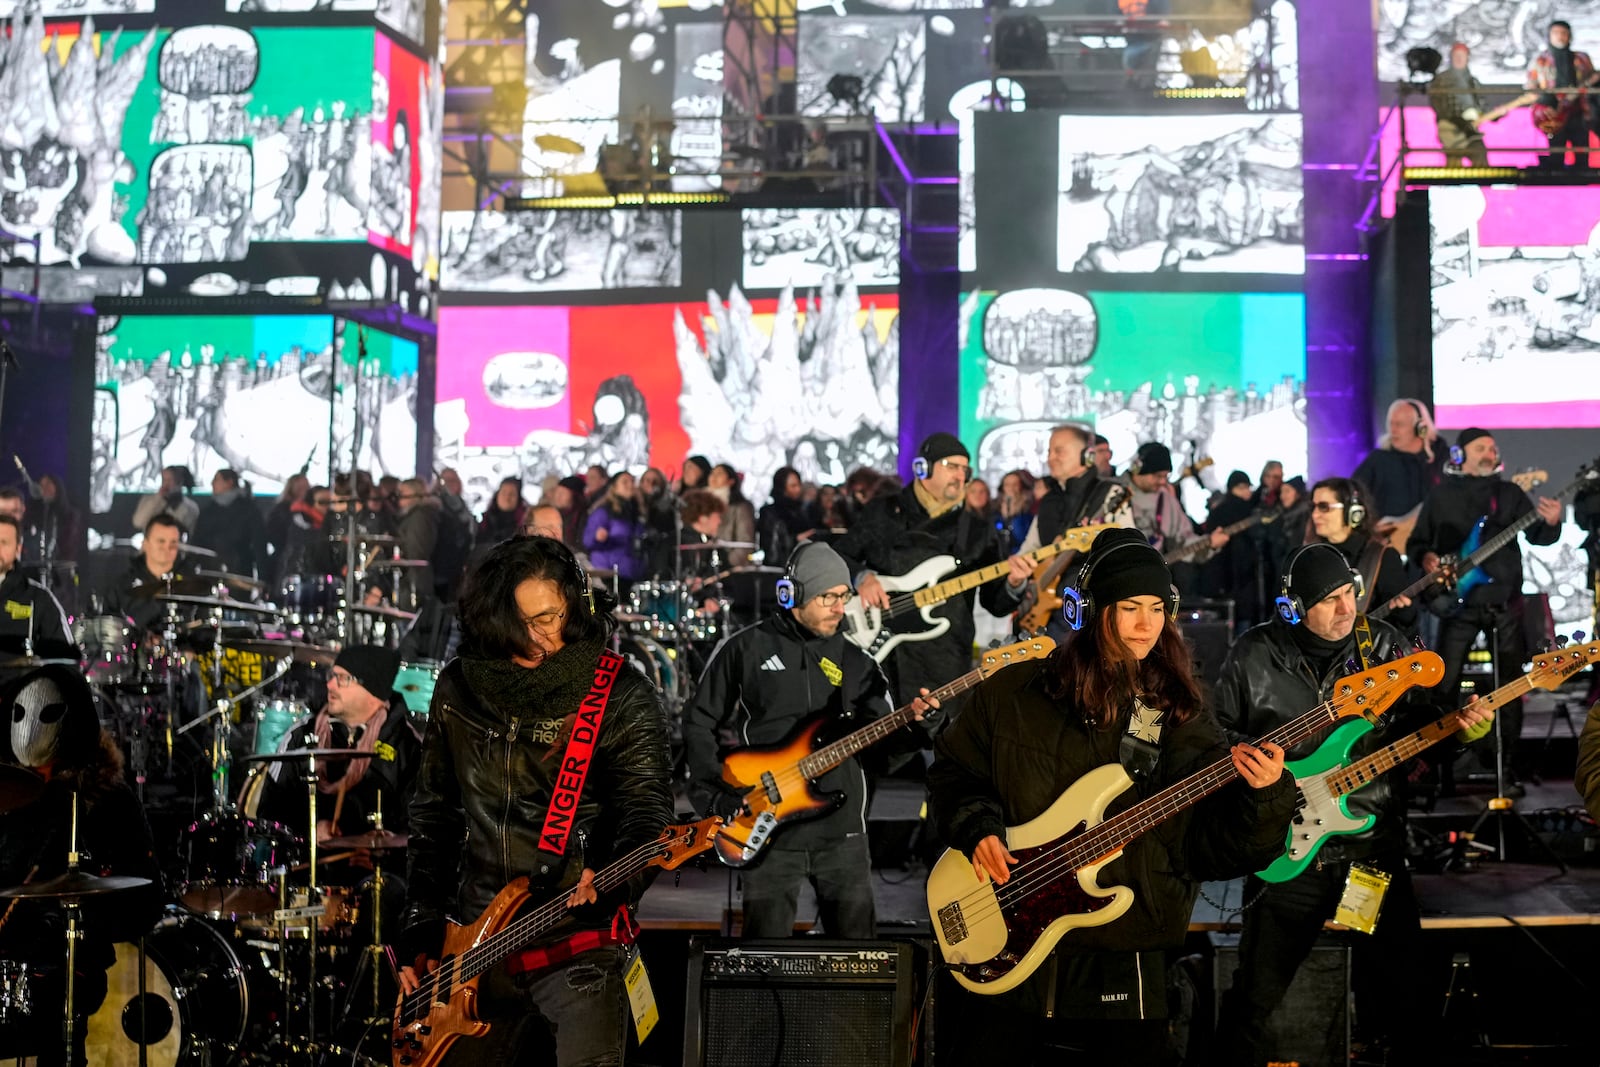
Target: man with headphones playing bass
1276, 672
761, 684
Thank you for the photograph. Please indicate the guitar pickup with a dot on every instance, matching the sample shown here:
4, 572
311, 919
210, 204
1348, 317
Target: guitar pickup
770, 784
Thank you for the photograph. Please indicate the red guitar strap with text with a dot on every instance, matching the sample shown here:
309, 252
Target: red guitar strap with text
575, 761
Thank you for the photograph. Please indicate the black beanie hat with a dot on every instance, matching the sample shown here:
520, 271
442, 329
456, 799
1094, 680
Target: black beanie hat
1237, 478
941, 445
1317, 570
1154, 457
372, 666
1469, 435
1122, 564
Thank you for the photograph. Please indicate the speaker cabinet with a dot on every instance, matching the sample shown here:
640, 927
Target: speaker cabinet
799, 1003
1312, 1025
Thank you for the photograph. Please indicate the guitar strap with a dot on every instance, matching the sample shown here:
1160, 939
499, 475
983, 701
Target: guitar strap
1140, 746
1369, 564
579, 755
1364, 641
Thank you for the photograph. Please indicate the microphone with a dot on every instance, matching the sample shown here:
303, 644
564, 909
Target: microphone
34, 492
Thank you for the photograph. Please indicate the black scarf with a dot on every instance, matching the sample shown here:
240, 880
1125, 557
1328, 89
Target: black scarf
1322, 655
1566, 72
558, 683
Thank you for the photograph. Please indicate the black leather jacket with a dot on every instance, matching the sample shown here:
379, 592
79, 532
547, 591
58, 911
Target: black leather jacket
484, 787
1268, 681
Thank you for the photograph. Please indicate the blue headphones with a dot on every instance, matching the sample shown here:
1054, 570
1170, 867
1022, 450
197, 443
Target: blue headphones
1077, 603
791, 592
1290, 607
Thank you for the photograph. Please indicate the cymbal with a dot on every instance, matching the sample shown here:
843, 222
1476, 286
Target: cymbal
551, 142
214, 602
19, 787
28, 663
376, 840
183, 547
367, 539
603, 572
299, 651
39, 565
306, 753
395, 564
71, 884
237, 581
388, 613
709, 545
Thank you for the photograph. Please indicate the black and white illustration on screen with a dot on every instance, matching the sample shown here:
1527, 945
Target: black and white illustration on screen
1202, 193
810, 246
556, 251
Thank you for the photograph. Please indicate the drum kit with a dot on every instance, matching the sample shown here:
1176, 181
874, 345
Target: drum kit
669, 626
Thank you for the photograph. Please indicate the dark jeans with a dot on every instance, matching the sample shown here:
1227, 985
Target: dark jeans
985, 1029
839, 870
571, 1016
1279, 933
1456, 635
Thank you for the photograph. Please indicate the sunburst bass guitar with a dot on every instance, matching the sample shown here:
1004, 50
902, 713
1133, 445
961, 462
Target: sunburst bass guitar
995, 936
779, 781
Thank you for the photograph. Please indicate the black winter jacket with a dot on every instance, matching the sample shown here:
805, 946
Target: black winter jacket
485, 785
760, 685
895, 533
1267, 681
1015, 749
1454, 508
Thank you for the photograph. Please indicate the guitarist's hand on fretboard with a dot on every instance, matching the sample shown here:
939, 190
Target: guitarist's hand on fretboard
1021, 571
583, 892
922, 705
1550, 510
1430, 562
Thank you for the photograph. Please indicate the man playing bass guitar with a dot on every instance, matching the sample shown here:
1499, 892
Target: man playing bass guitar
1274, 673
1473, 490
1558, 85
1123, 690
762, 683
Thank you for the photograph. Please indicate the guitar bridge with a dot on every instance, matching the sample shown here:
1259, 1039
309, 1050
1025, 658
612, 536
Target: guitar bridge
766, 822
952, 924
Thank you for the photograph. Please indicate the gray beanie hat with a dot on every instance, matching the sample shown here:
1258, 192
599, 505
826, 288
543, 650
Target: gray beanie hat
815, 568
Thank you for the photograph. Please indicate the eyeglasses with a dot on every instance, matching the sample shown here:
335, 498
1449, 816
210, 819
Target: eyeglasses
546, 623
964, 468
1323, 506
343, 679
829, 600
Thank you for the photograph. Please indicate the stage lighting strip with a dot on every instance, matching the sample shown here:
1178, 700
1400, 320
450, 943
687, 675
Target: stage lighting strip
542, 203
1221, 92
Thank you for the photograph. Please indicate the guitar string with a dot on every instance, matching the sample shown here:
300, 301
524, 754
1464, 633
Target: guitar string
531, 924
1075, 853
901, 602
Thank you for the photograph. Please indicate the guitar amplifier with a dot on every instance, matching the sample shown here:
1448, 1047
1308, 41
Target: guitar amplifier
1312, 1025
799, 1003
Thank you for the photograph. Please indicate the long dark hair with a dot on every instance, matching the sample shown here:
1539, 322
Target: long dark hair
491, 624
1101, 675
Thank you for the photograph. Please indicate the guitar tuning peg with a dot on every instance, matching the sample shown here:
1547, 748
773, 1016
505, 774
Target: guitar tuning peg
1578, 636
1351, 666
1561, 640
1544, 646
1417, 643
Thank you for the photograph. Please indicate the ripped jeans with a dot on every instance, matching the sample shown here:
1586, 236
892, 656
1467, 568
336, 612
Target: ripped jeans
572, 1016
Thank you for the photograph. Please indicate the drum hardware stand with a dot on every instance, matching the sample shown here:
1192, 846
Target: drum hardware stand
313, 898
221, 753
74, 934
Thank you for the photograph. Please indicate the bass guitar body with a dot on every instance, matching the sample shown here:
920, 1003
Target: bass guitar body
453, 1008
1469, 581
878, 632
994, 937
776, 792
1319, 814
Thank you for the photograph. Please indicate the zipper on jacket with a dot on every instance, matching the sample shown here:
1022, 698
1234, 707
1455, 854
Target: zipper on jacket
505, 818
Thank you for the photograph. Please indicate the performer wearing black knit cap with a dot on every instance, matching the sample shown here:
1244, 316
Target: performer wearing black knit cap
927, 518
1123, 690
1276, 672
1473, 490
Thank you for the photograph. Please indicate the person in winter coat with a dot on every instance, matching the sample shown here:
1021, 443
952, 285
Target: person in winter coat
612, 533
1122, 690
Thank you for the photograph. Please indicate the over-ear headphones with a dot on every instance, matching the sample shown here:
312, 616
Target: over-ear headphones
1136, 465
1355, 513
792, 592
1077, 603
919, 468
1290, 607
1420, 427
1458, 458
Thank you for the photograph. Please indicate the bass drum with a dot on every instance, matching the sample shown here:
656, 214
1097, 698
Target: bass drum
196, 1002
652, 660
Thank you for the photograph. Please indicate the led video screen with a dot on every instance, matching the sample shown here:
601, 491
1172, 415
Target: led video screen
561, 251
1515, 277
1504, 37
1219, 375
191, 152
268, 395
758, 383
1185, 193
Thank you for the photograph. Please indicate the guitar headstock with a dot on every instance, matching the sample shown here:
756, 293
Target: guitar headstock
1370, 693
999, 658
1196, 467
680, 844
1081, 538
1528, 480
1552, 669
